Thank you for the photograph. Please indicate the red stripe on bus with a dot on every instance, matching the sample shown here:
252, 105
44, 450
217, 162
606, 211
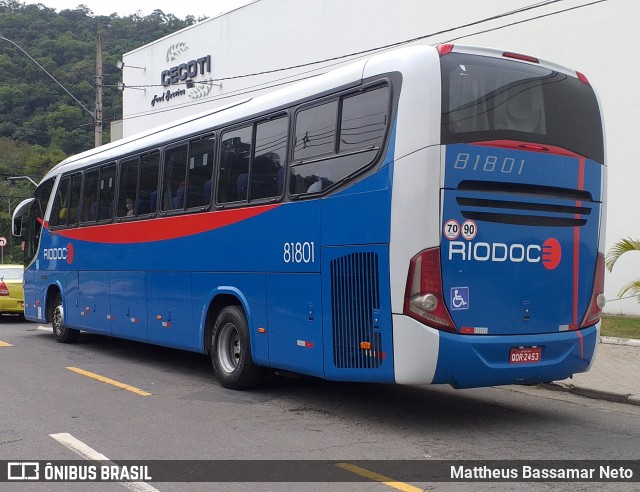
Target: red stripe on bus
581, 341
164, 228
576, 248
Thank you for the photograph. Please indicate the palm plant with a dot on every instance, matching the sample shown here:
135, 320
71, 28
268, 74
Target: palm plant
616, 251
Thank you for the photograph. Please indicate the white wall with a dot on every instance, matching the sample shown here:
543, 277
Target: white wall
600, 41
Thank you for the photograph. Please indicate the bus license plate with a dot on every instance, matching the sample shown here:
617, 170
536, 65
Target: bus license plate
525, 355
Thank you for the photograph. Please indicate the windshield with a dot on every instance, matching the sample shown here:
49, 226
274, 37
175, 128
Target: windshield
486, 98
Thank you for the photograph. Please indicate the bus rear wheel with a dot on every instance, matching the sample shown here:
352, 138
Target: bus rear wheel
61, 332
231, 351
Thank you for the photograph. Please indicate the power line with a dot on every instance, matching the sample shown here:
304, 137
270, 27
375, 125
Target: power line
526, 20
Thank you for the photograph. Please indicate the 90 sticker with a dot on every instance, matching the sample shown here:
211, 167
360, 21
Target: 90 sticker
469, 230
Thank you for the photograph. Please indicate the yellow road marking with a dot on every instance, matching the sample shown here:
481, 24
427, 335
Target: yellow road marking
112, 382
378, 478
5, 344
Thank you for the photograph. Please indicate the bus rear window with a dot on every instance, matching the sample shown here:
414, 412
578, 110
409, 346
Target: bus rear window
486, 98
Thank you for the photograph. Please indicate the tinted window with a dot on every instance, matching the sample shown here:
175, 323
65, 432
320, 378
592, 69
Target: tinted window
363, 125
67, 202
233, 175
174, 178
200, 172
74, 200
148, 193
364, 119
43, 195
106, 192
60, 210
90, 196
267, 174
316, 130
485, 98
128, 190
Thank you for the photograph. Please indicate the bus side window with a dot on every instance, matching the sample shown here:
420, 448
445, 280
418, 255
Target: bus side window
90, 196
200, 173
67, 202
59, 212
270, 154
315, 135
127, 191
106, 192
149, 172
234, 165
74, 200
175, 178
363, 125
315, 131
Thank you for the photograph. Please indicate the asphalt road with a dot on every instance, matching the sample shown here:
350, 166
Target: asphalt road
49, 389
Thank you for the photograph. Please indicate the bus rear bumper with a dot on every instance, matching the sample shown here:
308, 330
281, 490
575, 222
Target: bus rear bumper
469, 361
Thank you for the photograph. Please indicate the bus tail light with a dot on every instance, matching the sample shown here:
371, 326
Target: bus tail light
597, 295
4, 290
423, 299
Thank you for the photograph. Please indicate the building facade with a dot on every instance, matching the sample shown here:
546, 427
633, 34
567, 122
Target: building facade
269, 43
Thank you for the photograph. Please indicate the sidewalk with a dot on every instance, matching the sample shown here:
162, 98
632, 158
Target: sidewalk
614, 375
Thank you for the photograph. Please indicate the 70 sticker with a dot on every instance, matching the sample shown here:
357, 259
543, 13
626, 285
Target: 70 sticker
452, 229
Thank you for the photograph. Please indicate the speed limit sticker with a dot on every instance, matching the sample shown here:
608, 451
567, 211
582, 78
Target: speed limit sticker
451, 229
469, 229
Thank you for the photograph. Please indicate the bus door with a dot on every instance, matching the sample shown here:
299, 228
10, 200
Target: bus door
295, 322
294, 300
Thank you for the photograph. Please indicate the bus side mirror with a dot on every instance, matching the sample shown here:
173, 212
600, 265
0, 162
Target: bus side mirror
18, 213
17, 226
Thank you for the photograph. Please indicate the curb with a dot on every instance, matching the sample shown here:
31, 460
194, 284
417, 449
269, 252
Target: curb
620, 341
596, 394
593, 393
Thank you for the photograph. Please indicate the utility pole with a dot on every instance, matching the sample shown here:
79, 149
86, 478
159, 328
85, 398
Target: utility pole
98, 115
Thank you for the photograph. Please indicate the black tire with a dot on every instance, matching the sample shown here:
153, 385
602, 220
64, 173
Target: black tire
61, 332
231, 351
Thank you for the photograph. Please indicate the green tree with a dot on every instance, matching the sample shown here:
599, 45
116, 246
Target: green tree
617, 250
33, 109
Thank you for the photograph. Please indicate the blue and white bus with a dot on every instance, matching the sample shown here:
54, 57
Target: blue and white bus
427, 215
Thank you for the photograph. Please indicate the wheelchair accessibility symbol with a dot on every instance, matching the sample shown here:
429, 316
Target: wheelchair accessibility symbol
459, 298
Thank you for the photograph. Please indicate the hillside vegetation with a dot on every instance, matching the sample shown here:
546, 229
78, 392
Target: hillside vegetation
40, 124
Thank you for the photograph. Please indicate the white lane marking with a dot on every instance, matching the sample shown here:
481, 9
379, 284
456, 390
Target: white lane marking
88, 453
45, 328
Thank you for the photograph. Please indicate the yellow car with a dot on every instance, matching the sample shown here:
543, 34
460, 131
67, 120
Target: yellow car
11, 289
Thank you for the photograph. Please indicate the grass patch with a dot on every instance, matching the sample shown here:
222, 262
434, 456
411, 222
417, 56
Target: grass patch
620, 326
